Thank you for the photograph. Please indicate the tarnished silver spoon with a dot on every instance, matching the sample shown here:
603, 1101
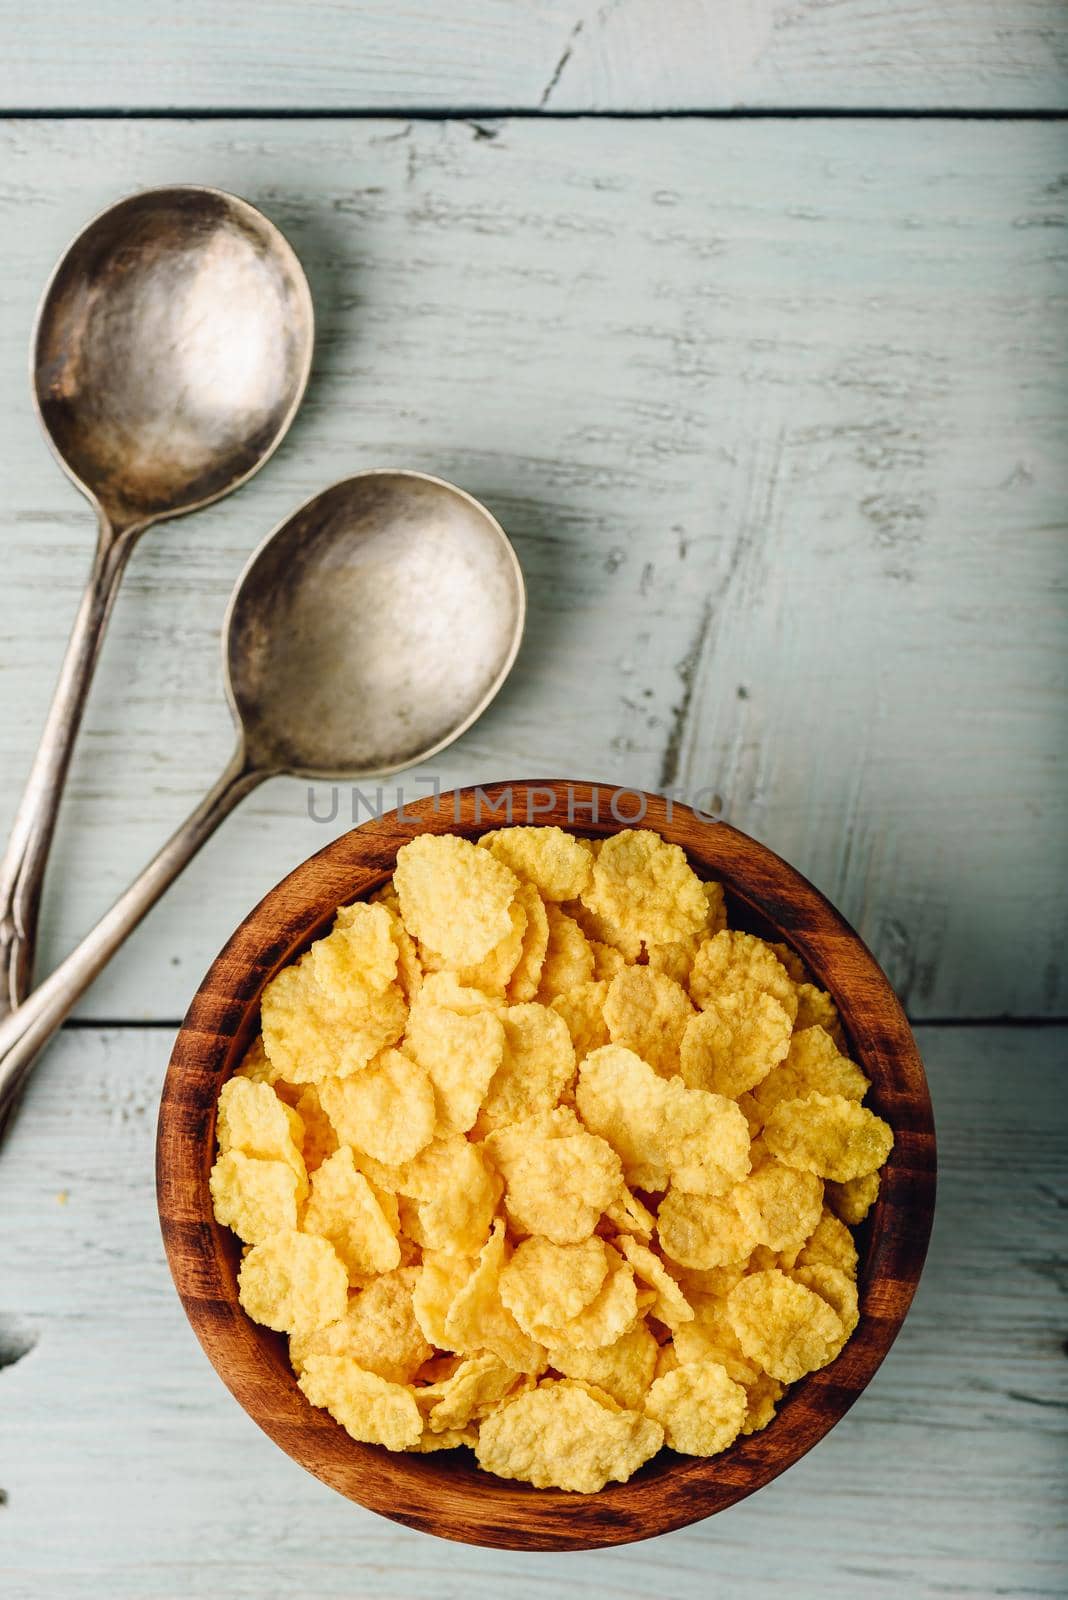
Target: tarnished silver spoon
364, 635
171, 351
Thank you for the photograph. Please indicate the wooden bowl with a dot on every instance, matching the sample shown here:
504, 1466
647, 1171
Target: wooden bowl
445, 1492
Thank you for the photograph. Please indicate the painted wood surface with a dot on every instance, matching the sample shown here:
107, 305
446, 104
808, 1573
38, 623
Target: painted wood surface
128, 1470
775, 414
582, 55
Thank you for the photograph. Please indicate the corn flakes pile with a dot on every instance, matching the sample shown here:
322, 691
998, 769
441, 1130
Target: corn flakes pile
536, 1155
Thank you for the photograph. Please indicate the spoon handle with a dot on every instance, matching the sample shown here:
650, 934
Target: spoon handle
23, 866
28, 1029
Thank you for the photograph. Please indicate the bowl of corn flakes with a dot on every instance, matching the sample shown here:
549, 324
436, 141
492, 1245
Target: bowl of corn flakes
545, 1166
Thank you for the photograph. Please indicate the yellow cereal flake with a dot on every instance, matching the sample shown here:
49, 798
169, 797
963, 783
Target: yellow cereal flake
623, 1370
568, 957
252, 1119
627, 1214
836, 1287
344, 1209
526, 975
494, 972
472, 1390
558, 1178
256, 1064
700, 1139
582, 1009
734, 1043
816, 1009
478, 1319
358, 955
454, 897
813, 1065
703, 1231
828, 1135
460, 1053
319, 1140
409, 966
699, 1407
648, 1012
602, 931
388, 1111
670, 1306
538, 1066
673, 958
557, 863
559, 1435
853, 1199
456, 1193
293, 1283
731, 961
545, 1285
647, 887
441, 1276
607, 960
609, 1314
368, 1407
310, 1032
378, 1331
255, 1198
780, 1206
782, 1326
832, 1243
445, 989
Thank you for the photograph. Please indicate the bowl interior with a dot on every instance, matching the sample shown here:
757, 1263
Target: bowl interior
446, 1493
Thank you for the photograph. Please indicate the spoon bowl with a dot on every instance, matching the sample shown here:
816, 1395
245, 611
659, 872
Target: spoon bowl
372, 627
172, 348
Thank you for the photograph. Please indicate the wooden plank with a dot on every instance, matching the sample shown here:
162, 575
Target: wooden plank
629, 55
944, 1479
775, 414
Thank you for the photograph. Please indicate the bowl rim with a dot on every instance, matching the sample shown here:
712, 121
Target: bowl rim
436, 1493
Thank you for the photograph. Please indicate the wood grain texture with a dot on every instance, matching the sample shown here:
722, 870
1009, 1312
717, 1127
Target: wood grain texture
585, 55
776, 418
445, 1493
116, 1429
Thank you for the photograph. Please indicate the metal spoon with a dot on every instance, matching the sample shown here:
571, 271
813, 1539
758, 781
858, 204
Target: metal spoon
363, 636
171, 351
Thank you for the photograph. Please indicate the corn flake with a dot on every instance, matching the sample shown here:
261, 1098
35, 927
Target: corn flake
648, 1012
647, 887
454, 897
669, 1305
293, 1283
555, 862
560, 1435
460, 1053
623, 1370
370, 1408
545, 1285
813, 1065
733, 1044
852, 1200
538, 1066
780, 1206
344, 1208
787, 1329
700, 1139
699, 1407
256, 1198
829, 1135
731, 960
388, 1111
526, 975
568, 957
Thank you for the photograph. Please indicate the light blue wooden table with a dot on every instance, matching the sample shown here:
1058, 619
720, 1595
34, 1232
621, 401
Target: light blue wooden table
774, 404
